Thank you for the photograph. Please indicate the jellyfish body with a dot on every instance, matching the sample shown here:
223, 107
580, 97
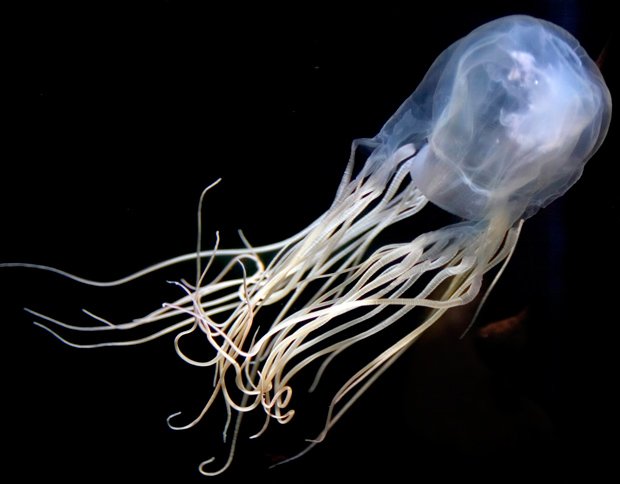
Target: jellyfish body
505, 117
501, 125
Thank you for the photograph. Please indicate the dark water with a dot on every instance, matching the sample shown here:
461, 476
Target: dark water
132, 109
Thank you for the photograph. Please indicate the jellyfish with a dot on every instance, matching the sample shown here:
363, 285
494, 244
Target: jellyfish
501, 125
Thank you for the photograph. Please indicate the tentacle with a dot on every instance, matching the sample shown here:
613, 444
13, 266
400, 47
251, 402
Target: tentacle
320, 277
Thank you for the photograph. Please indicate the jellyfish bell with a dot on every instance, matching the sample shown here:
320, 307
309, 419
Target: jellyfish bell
501, 125
505, 118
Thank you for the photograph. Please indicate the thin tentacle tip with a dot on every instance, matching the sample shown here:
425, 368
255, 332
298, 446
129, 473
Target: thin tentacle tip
170, 417
210, 473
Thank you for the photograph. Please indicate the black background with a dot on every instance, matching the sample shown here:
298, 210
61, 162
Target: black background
131, 109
